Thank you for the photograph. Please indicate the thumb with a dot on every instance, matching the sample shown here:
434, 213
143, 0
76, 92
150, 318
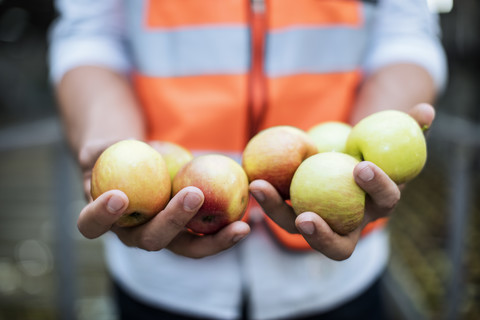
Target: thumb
98, 216
424, 113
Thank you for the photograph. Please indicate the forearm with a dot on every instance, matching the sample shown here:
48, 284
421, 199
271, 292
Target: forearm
98, 104
398, 86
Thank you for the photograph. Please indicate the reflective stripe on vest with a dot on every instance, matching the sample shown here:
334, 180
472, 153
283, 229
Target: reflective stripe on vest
187, 46
193, 63
314, 50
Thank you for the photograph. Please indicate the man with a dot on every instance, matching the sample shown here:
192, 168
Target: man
208, 75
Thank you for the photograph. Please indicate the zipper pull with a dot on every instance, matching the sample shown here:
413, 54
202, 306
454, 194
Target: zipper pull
258, 6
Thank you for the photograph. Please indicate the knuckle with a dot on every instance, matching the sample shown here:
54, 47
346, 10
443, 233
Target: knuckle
389, 206
85, 157
85, 233
150, 243
379, 189
392, 201
176, 222
345, 255
335, 250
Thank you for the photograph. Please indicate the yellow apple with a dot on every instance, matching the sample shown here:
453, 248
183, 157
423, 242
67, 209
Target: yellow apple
330, 136
324, 184
275, 153
175, 155
139, 171
224, 185
392, 140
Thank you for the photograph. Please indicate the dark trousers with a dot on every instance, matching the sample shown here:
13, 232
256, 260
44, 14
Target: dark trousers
368, 305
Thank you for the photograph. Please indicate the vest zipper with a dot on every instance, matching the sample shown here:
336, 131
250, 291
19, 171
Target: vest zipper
257, 81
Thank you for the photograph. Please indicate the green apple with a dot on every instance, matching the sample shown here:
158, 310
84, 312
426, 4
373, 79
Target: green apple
224, 185
175, 155
138, 170
392, 140
275, 153
330, 136
324, 184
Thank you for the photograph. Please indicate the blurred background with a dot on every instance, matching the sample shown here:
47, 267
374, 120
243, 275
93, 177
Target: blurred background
48, 271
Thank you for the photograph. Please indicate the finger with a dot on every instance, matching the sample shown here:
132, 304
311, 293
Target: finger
424, 113
194, 246
98, 216
90, 152
87, 187
273, 205
323, 239
382, 191
167, 224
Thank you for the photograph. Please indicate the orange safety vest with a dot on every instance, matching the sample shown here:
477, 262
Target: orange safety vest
211, 73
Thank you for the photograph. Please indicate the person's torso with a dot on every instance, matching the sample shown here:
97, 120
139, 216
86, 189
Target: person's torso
210, 74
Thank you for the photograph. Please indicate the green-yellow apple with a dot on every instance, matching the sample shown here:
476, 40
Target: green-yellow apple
175, 155
275, 153
224, 185
324, 184
392, 140
138, 170
330, 136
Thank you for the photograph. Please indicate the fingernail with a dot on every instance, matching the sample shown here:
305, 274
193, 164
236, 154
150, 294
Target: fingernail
306, 227
191, 201
366, 174
115, 204
238, 237
259, 195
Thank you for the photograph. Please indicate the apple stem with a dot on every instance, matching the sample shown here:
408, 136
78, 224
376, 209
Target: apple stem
136, 215
208, 218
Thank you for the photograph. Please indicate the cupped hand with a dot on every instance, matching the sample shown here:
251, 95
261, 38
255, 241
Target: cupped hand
382, 197
165, 230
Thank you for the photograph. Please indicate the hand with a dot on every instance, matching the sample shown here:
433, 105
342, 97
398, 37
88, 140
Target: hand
382, 197
165, 230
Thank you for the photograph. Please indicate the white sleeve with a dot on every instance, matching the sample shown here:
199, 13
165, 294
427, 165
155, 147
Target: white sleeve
406, 31
87, 32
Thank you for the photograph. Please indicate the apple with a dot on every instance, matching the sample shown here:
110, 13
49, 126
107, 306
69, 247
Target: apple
175, 155
330, 136
392, 140
324, 184
138, 170
224, 185
275, 153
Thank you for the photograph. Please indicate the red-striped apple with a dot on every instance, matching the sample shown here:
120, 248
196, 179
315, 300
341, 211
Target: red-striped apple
275, 153
224, 185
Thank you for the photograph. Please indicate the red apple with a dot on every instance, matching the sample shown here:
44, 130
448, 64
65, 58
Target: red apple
274, 155
140, 172
225, 186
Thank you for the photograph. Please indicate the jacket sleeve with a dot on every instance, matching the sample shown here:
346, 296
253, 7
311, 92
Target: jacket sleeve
88, 32
406, 31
